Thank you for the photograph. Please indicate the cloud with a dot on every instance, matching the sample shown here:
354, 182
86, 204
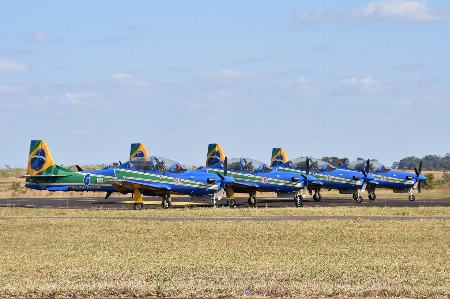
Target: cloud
78, 95
364, 81
128, 80
10, 66
398, 11
377, 11
106, 40
229, 76
42, 38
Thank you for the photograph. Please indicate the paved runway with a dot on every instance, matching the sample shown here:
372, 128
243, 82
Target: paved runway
181, 202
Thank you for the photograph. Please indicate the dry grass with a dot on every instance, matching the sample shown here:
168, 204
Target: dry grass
125, 258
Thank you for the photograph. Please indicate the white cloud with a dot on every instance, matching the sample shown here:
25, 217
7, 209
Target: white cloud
365, 81
229, 76
402, 102
377, 11
42, 38
10, 66
398, 11
129, 80
301, 80
78, 95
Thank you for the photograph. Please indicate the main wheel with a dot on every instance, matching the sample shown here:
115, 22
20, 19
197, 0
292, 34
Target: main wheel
252, 200
372, 196
166, 204
138, 206
231, 202
355, 196
412, 197
317, 197
359, 199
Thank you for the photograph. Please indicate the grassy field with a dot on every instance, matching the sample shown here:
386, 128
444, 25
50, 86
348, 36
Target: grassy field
77, 257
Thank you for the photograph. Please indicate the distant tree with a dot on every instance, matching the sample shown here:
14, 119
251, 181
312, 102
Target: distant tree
344, 161
430, 182
332, 160
359, 158
394, 165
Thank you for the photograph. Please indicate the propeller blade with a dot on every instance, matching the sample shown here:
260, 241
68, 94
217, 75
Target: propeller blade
221, 176
417, 173
364, 173
367, 166
420, 188
307, 165
420, 167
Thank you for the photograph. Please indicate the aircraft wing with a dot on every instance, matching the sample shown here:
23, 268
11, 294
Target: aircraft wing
44, 175
141, 183
244, 184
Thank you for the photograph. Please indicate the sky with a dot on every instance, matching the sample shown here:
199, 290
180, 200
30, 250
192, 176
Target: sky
351, 79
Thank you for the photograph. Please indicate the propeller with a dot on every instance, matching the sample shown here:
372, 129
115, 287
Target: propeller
418, 174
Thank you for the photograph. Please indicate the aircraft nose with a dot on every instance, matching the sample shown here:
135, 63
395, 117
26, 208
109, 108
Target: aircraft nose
369, 177
228, 180
310, 178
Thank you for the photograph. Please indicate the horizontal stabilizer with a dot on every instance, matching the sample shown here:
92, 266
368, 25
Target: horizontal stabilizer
57, 188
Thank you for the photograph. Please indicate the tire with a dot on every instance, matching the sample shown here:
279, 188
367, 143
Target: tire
317, 197
412, 198
359, 199
252, 200
372, 196
138, 206
298, 202
231, 202
165, 204
355, 196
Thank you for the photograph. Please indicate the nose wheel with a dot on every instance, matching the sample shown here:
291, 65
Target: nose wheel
357, 197
231, 202
298, 200
252, 200
166, 203
372, 195
317, 196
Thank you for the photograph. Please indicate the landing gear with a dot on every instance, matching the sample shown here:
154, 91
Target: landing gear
252, 199
230, 195
166, 202
372, 195
298, 200
317, 196
138, 206
411, 196
357, 197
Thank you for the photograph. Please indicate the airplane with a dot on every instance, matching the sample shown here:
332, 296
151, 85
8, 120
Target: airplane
327, 176
44, 174
145, 175
384, 177
251, 176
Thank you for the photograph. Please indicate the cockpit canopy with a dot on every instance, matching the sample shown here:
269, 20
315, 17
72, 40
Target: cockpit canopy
374, 166
157, 164
247, 164
314, 164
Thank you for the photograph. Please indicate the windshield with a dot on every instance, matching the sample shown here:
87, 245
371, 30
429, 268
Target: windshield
299, 162
248, 165
234, 164
178, 168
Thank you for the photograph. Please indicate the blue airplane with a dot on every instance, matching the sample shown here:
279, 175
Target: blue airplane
44, 174
155, 176
384, 177
327, 176
251, 176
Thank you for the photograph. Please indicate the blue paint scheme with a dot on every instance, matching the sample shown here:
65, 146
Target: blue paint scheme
327, 176
384, 177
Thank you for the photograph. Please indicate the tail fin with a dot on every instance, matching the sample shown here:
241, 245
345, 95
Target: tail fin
39, 159
138, 150
278, 157
215, 154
